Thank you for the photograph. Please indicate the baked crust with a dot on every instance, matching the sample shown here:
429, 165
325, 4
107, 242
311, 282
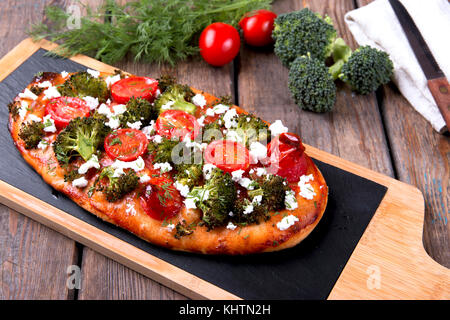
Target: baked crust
127, 213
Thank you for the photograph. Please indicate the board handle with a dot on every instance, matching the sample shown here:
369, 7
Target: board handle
440, 89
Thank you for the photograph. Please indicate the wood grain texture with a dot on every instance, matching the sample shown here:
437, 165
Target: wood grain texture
33, 258
421, 157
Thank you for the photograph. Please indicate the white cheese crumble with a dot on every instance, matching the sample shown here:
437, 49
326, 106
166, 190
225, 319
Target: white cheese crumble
130, 209
210, 112
199, 100
277, 128
257, 200
45, 84
229, 119
201, 121
237, 175
306, 189
91, 163
91, 102
80, 182
34, 118
170, 226
27, 94
93, 73
112, 116
183, 189
231, 226
144, 178
64, 74
113, 123
220, 108
49, 124
135, 125
110, 80
148, 130
167, 105
51, 93
190, 203
257, 151
287, 222
290, 200
43, 144
118, 166
234, 136
23, 109
157, 139
244, 182
261, 171
163, 166
248, 209
207, 169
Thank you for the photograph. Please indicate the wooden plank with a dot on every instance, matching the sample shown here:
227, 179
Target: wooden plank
353, 130
33, 258
421, 157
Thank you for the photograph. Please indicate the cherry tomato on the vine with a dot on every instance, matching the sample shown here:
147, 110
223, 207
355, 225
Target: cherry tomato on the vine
257, 27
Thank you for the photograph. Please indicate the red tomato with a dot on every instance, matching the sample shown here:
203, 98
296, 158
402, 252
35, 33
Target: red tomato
177, 124
287, 157
227, 155
257, 27
219, 43
64, 109
161, 200
138, 87
126, 144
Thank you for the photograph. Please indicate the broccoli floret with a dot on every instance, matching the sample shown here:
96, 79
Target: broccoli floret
71, 175
246, 212
252, 129
165, 81
367, 69
311, 85
138, 110
301, 32
189, 174
13, 108
176, 97
215, 198
273, 190
82, 84
82, 137
183, 229
116, 187
36, 90
162, 152
32, 133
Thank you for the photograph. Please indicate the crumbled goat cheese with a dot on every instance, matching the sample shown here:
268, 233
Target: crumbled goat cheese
80, 182
183, 189
190, 203
229, 119
167, 105
290, 200
91, 102
277, 128
148, 130
157, 139
231, 226
119, 109
287, 222
220, 108
210, 112
130, 209
257, 152
27, 94
306, 189
91, 163
135, 125
144, 178
257, 200
137, 165
113, 123
248, 209
23, 109
237, 175
261, 171
163, 166
110, 80
244, 182
51, 93
201, 120
64, 74
93, 73
170, 226
199, 100
49, 124
45, 84
207, 169
34, 118
234, 136
43, 144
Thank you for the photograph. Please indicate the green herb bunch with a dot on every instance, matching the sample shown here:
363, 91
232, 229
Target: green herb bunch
151, 30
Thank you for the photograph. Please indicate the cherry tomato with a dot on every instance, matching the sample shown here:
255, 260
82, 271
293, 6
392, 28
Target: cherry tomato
161, 200
177, 124
287, 157
64, 109
126, 144
257, 27
219, 43
227, 155
138, 87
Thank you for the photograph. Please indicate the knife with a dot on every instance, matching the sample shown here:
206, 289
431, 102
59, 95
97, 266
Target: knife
436, 80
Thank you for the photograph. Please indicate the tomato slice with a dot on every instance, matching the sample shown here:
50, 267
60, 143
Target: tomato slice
126, 144
64, 109
138, 87
227, 155
177, 124
287, 157
161, 200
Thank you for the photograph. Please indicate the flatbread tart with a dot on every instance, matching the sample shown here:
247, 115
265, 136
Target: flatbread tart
175, 166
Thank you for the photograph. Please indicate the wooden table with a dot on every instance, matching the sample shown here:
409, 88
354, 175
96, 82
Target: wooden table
380, 131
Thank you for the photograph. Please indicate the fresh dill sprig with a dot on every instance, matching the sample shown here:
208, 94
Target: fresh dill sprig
151, 30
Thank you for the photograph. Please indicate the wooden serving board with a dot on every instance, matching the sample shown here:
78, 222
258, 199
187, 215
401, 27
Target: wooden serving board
388, 262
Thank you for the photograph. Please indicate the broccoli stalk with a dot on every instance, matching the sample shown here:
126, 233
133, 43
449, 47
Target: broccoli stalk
82, 137
116, 187
176, 97
32, 133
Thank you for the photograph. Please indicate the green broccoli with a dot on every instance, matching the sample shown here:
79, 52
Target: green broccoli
311, 85
165, 81
215, 198
252, 129
301, 32
116, 187
138, 110
82, 137
246, 212
183, 229
273, 191
32, 133
162, 152
176, 97
366, 69
189, 174
13, 108
82, 84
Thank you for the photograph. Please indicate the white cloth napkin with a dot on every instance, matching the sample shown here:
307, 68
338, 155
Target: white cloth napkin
377, 25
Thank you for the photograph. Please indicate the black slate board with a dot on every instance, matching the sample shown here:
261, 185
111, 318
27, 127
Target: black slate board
308, 271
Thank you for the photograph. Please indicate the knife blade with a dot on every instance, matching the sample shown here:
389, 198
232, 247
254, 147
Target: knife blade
437, 82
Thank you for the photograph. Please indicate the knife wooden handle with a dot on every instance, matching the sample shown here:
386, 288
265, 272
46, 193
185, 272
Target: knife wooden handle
440, 89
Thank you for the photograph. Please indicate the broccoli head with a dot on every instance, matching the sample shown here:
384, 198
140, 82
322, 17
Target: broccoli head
82, 137
273, 190
301, 32
189, 174
367, 69
13, 108
176, 97
165, 81
246, 211
82, 84
138, 110
162, 152
311, 85
252, 129
115, 188
32, 133
215, 198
